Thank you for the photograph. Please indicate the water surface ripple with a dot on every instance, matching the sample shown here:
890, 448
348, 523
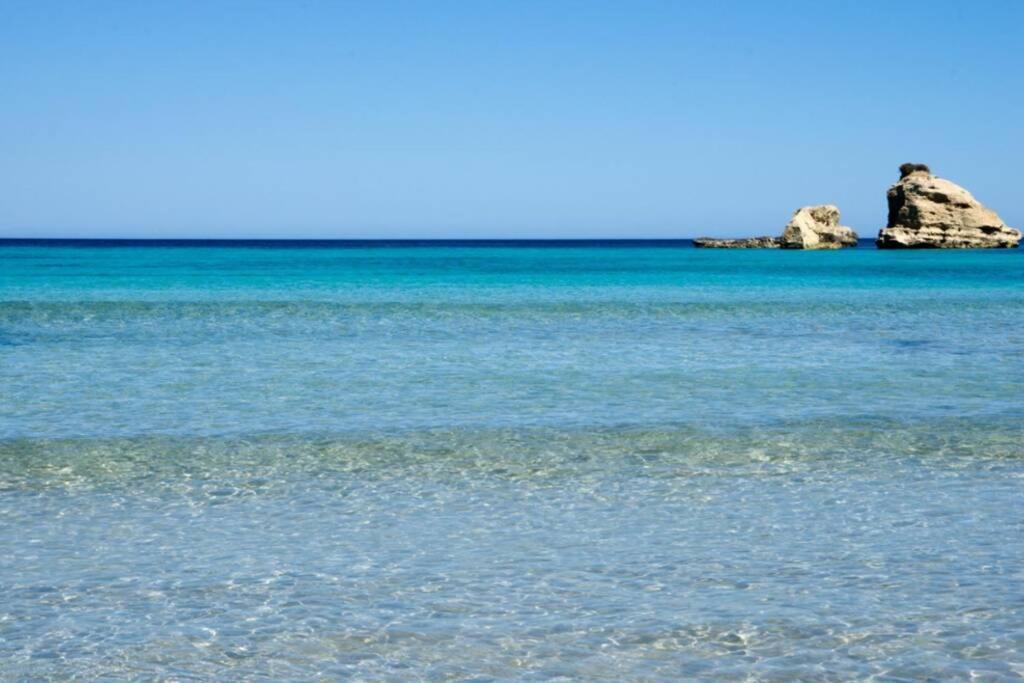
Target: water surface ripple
536, 463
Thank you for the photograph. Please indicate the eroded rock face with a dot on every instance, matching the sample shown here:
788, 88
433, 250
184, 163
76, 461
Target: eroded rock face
743, 243
817, 227
929, 212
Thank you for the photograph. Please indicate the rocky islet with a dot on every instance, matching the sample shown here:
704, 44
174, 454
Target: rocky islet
925, 212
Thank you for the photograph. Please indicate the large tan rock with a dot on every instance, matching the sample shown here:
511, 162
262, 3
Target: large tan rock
817, 227
930, 212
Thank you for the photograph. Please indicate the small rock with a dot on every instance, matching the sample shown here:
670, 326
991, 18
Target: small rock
817, 227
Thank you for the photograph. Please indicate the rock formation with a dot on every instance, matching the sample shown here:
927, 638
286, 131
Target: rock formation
811, 227
930, 212
742, 243
817, 227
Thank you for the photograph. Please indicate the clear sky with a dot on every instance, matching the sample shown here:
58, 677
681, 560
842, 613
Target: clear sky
496, 119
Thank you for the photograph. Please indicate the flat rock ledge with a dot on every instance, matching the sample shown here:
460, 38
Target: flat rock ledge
742, 243
928, 212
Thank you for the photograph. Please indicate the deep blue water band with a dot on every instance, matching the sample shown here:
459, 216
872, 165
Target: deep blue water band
363, 243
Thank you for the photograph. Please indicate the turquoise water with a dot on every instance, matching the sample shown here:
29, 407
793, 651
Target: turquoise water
490, 462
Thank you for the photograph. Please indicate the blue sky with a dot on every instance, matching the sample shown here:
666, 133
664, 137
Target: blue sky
495, 119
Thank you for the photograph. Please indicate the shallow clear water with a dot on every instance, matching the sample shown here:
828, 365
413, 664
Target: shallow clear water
475, 463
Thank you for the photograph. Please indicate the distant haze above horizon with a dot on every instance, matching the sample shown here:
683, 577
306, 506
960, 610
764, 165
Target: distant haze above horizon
495, 120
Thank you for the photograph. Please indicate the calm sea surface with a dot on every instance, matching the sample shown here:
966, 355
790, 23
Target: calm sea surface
466, 462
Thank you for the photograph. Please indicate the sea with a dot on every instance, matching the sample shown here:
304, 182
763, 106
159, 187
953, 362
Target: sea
509, 460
